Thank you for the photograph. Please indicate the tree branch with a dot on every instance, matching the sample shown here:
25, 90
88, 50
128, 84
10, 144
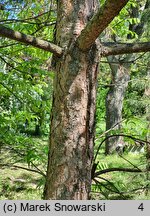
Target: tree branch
108, 188
140, 141
23, 20
12, 92
10, 65
116, 169
28, 39
8, 45
111, 48
99, 22
24, 168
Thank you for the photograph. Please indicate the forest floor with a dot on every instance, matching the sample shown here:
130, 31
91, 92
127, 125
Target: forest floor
17, 184
120, 184
20, 184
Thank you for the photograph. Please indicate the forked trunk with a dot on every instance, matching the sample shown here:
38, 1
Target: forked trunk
73, 112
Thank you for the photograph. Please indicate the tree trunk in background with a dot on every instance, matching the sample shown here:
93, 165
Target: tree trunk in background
120, 78
73, 112
114, 102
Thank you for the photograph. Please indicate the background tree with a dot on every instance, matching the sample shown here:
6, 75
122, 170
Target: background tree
120, 70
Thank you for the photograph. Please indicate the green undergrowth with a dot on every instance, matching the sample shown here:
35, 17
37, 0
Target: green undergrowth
20, 184
121, 185
17, 184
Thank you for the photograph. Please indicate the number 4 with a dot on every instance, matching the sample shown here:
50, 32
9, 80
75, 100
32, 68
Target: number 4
141, 207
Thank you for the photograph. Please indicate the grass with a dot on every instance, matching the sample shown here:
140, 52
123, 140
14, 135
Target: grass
19, 184
121, 185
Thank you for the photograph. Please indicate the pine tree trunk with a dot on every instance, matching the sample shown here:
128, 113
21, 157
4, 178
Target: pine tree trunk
114, 102
73, 109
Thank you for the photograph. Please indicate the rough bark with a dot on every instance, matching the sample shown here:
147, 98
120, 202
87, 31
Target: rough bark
114, 102
30, 40
112, 48
99, 22
73, 112
107, 48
